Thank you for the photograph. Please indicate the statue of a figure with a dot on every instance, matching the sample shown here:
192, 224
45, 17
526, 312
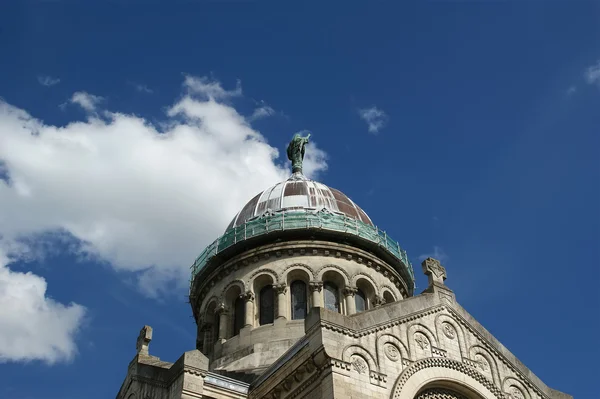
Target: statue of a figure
295, 151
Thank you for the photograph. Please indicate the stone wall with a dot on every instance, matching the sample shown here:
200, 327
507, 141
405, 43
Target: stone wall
398, 351
278, 265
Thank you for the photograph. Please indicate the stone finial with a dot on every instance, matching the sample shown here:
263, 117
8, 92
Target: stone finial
435, 272
143, 340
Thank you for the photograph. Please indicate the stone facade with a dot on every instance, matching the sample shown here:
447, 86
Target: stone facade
425, 346
308, 301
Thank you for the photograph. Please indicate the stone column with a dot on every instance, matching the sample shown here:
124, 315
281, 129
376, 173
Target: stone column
315, 289
350, 303
249, 316
281, 308
223, 319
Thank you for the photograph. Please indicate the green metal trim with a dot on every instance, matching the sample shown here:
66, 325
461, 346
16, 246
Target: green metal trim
294, 220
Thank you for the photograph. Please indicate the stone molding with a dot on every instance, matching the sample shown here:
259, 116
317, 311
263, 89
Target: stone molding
444, 363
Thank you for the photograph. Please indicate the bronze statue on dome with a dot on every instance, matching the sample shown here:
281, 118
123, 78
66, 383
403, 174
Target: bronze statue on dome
295, 151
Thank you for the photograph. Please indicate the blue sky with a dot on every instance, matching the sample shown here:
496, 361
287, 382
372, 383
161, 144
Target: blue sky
467, 130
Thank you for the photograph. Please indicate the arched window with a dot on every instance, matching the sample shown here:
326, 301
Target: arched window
267, 308
388, 297
298, 290
360, 300
239, 309
330, 294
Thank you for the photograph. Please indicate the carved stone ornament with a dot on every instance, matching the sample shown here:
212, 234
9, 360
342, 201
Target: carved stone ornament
482, 363
448, 330
359, 365
434, 270
315, 286
280, 288
422, 341
391, 352
515, 393
248, 296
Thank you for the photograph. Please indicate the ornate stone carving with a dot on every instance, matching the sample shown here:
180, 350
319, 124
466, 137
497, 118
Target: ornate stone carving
440, 393
421, 341
434, 270
143, 340
482, 363
315, 286
391, 352
359, 365
280, 288
349, 291
378, 301
445, 363
515, 393
448, 330
248, 296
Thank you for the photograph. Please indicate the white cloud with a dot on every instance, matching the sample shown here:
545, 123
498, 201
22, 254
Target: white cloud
262, 112
142, 199
86, 101
32, 325
438, 253
143, 88
48, 80
210, 89
592, 74
376, 119
571, 90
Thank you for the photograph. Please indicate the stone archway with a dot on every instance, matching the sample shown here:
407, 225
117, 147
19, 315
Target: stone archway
441, 393
445, 375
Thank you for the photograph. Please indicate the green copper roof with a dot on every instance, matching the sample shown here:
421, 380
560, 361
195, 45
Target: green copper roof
303, 220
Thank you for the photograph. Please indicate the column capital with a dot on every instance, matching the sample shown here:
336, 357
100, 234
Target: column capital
378, 301
222, 309
280, 288
315, 285
248, 296
349, 291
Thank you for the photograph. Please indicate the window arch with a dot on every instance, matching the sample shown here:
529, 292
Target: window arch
441, 392
331, 296
239, 310
360, 301
388, 297
267, 302
298, 291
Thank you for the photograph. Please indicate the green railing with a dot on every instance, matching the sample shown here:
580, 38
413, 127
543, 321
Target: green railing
293, 220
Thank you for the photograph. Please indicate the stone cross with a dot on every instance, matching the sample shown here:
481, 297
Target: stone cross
144, 340
435, 272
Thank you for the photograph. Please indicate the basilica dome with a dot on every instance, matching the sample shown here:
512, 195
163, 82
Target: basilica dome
298, 193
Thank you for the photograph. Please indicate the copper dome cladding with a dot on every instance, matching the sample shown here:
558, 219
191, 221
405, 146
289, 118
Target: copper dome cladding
302, 194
